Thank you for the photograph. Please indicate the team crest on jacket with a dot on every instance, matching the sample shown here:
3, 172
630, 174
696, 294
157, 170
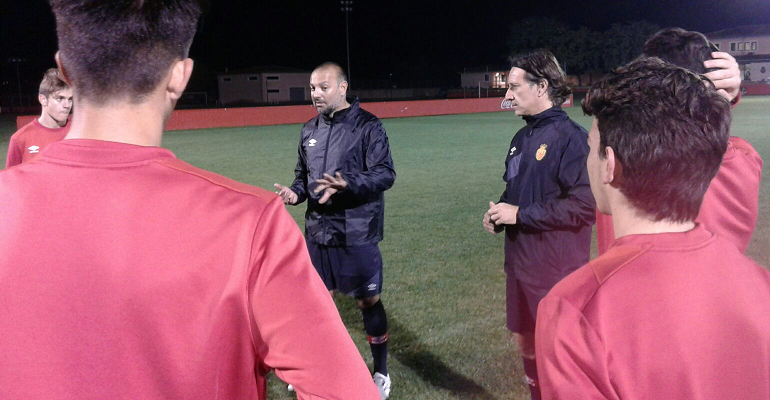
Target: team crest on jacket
541, 152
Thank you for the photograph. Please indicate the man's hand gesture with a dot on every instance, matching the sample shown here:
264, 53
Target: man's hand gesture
499, 215
727, 77
330, 185
288, 195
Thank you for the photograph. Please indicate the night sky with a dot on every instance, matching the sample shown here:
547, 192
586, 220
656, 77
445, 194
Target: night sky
415, 39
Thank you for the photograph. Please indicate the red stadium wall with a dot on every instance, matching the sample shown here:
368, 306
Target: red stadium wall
756, 89
257, 116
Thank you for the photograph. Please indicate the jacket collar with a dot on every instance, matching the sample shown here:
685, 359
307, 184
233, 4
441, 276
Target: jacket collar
550, 113
342, 115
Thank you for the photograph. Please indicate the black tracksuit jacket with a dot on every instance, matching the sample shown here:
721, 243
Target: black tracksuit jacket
546, 177
354, 144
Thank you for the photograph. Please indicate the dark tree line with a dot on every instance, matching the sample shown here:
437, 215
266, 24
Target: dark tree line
581, 50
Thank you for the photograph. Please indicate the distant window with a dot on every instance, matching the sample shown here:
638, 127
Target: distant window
226, 79
732, 46
716, 45
486, 78
753, 46
273, 78
274, 91
742, 46
253, 78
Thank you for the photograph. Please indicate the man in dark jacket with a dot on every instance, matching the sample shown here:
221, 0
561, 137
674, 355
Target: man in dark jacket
547, 208
343, 169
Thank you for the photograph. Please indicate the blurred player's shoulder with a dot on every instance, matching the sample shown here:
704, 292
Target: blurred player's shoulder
219, 180
739, 146
25, 130
579, 287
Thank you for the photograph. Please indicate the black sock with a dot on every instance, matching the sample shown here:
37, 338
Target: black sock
530, 369
376, 326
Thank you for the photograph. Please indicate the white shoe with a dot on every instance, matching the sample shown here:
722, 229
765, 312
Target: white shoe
290, 388
383, 384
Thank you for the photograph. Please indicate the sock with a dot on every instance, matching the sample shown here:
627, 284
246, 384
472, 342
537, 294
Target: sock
376, 326
530, 369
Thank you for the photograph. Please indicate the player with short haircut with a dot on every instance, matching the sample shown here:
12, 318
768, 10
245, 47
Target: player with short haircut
731, 205
547, 208
127, 273
343, 169
55, 97
671, 311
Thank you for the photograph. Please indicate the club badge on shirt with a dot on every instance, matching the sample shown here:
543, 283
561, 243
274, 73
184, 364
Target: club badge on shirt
541, 152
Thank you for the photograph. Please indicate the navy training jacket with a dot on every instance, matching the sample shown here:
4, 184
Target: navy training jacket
546, 177
354, 144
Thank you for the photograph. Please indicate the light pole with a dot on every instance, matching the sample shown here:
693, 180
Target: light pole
18, 61
346, 6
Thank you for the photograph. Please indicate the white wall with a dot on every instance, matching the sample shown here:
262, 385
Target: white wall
763, 45
262, 87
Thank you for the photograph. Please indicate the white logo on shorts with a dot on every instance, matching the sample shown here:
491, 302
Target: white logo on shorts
372, 286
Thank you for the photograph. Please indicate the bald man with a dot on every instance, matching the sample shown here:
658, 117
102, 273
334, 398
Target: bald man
343, 169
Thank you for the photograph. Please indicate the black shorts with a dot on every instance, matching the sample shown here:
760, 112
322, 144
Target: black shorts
354, 271
521, 300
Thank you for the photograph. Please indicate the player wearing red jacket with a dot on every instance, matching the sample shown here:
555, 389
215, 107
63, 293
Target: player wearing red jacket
55, 97
126, 273
731, 204
671, 311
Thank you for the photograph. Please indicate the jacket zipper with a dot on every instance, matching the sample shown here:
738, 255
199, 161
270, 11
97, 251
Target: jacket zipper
326, 154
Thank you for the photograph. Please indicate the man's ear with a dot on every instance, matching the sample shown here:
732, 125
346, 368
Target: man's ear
613, 173
43, 99
542, 88
344, 88
180, 76
63, 74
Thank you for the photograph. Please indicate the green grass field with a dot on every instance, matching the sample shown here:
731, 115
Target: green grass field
444, 284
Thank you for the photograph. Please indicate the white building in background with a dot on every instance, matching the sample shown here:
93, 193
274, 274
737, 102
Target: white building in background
486, 77
264, 85
750, 45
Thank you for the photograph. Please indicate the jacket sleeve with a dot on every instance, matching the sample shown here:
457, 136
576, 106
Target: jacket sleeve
571, 359
14, 154
296, 328
576, 205
299, 186
379, 174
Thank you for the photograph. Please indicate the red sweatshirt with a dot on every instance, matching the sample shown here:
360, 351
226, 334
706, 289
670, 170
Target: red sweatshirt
666, 316
27, 142
731, 203
126, 273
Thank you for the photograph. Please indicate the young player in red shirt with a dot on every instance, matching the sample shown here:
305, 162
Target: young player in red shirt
127, 273
731, 204
55, 97
671, 310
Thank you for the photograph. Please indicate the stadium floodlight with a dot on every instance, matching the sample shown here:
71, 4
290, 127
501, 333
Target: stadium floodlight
18, 61
346, 6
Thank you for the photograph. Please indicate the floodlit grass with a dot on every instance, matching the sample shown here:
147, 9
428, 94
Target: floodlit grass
444, 284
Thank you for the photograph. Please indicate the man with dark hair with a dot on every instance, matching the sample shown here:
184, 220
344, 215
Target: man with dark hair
127, 273
55, 97
547, 208
671, 311
731, 204
343, 168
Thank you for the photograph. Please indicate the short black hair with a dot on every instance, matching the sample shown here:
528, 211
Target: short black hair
122, 48
542, 65
686, 49
668, 128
